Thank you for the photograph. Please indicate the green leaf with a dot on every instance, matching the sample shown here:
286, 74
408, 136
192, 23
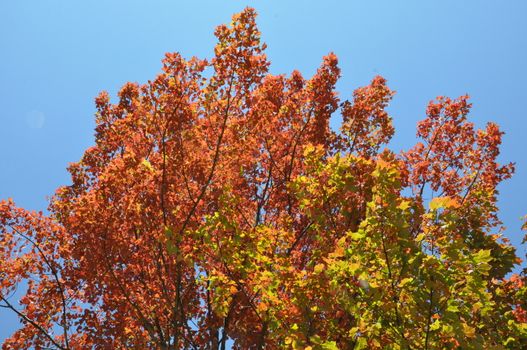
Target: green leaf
357, 235
453, 308
435, 326
482, 256
362, 343
329, 345
171, 248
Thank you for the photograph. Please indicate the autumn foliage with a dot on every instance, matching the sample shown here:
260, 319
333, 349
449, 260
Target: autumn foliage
218, 209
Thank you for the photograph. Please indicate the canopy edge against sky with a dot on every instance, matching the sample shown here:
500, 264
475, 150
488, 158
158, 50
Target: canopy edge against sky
55, 57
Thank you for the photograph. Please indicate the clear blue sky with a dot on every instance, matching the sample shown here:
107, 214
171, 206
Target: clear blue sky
55, 56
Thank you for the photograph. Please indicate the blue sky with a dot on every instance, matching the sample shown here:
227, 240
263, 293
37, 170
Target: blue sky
55, 56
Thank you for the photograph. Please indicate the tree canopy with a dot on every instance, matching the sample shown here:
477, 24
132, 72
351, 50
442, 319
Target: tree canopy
218, 209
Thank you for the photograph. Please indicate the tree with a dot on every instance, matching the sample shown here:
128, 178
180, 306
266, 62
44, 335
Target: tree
217, 208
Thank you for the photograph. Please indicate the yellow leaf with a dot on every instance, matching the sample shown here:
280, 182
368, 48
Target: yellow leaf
443, 202
435, 326
147, 165
420, 237
356, 235
353, 267
404, 205
405, 281
353, 331
382, 164
469, 331
319, 268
